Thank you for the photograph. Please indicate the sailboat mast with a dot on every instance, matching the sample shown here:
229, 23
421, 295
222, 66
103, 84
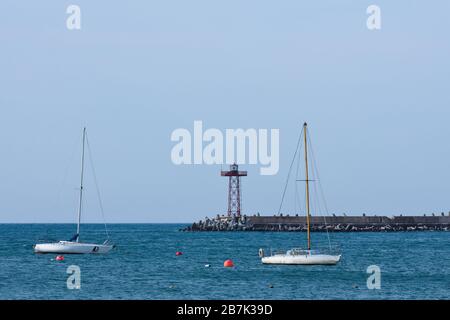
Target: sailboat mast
81, 186
307, 187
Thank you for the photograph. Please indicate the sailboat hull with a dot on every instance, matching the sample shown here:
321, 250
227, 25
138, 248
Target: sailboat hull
309, 259
67, 247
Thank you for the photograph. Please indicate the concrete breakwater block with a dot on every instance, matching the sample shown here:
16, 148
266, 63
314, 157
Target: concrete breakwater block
323, 224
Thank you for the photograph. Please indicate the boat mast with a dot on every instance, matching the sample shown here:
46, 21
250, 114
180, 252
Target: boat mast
307, 187
81, 186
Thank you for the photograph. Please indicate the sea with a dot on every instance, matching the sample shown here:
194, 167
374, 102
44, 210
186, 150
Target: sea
412, 265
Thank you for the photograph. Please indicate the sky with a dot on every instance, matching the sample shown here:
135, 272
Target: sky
377, 103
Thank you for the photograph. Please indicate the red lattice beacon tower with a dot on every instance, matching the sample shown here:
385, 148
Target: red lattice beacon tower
234, 190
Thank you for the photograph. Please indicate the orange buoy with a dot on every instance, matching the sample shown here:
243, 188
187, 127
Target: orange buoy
178, 253
228, 263
59, 258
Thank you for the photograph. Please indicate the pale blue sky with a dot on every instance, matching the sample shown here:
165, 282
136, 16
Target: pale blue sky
378, 103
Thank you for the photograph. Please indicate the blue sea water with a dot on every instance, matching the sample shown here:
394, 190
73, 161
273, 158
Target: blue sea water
414, 265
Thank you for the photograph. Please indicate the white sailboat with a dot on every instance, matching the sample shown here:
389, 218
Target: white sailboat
298, 256
74, 246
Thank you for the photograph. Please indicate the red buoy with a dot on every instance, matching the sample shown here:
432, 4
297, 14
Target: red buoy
228, 263
178, 253
59, 258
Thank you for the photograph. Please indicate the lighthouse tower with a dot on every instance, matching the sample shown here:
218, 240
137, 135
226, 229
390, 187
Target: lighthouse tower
234, 189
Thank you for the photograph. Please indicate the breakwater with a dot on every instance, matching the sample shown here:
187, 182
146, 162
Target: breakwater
321, 223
